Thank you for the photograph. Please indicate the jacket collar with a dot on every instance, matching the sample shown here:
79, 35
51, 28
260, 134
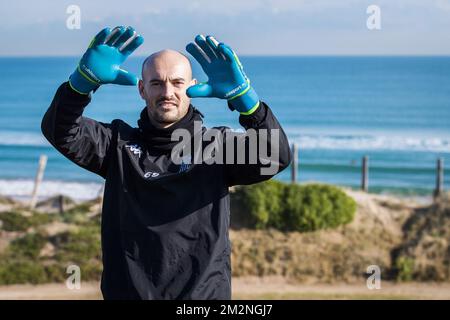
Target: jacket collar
159, 139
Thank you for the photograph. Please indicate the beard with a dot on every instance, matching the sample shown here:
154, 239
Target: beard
167, 112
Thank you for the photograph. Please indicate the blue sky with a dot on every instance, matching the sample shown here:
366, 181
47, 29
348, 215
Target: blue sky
251, 27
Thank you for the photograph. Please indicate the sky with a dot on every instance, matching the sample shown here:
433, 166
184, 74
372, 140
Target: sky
251, 27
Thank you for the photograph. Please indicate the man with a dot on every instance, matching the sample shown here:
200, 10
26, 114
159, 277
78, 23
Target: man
164, 223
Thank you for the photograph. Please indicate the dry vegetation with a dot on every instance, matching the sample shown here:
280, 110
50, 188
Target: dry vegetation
408, 240
341, 254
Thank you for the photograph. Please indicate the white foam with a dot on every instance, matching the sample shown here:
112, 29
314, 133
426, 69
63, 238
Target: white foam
22, 189
305, 139
14, 138
372, 142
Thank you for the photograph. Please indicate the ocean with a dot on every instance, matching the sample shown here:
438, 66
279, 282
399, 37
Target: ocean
395, 110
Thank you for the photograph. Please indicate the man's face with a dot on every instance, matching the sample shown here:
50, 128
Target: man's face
165, 77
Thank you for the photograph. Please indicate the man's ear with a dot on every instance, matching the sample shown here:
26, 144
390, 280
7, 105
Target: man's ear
193, 82
141, 88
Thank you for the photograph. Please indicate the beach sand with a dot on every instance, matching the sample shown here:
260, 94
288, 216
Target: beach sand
246, 288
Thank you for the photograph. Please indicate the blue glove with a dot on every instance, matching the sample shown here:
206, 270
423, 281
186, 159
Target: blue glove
226, 76
101, 62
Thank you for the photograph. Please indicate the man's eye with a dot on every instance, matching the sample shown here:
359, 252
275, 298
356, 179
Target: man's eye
154, 84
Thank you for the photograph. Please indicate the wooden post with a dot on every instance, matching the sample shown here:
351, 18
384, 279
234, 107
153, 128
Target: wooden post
439, 178
365, 174
294, 164
38, 180
61, 203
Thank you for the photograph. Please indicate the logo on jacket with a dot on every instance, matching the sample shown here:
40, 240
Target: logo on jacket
185, 163
151, 174
136, 149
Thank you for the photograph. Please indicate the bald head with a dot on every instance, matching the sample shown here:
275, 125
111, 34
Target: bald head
166, 75
167, 57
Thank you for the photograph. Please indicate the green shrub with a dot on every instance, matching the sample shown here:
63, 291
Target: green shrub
259, 205
405, 268
91, 270
21, 262
317, 206
77, 214
38, 219
77, 246
29, 246
16, 221
56, 272
291, 207
21, 271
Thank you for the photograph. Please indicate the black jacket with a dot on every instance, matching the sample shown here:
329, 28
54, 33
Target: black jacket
164, 226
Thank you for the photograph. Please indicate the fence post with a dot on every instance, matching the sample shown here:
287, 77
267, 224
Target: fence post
61, 206
294, 165
439, 178
365, 174
38, 180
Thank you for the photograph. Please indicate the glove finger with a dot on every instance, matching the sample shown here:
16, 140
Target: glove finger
198, 55
131, 44
125, 78
100, 37
129, 32
227, 52
214, 44
199, 90
200, 40
230, 54
114, 35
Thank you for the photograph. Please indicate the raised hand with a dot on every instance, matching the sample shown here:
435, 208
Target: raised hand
101, 62
226, 76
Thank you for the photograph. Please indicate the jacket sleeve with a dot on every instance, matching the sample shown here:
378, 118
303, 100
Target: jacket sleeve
82, 140
264, 146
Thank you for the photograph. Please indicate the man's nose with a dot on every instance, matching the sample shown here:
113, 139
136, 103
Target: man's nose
167, 90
